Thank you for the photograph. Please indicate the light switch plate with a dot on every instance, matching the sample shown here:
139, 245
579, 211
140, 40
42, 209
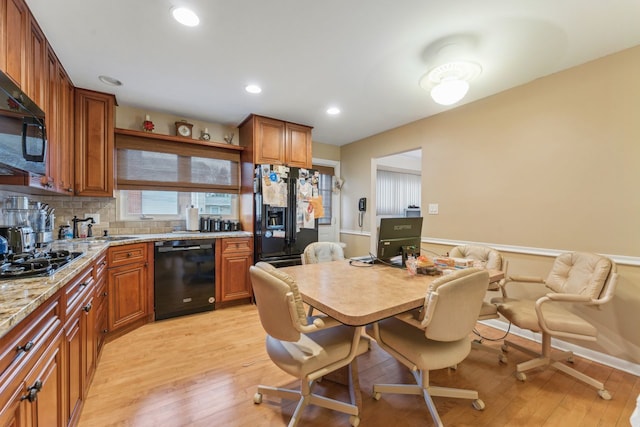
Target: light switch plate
433, 209
95, 216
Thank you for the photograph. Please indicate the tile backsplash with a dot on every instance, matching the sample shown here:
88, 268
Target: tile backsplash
66, 207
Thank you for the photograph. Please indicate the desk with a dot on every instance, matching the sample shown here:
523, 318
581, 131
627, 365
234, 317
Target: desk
358, 296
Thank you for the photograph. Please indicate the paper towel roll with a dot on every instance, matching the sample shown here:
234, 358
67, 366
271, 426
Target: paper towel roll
192, 219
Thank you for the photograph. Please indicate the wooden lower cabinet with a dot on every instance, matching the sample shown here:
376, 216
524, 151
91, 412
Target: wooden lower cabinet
234, 256
129, 286
33, 370
79, 342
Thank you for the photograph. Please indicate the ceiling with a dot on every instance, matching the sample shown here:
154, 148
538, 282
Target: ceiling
364, 56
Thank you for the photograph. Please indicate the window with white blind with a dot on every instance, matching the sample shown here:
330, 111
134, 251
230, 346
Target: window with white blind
396, 191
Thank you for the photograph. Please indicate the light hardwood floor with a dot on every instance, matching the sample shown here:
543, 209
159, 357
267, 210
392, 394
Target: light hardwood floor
203, 369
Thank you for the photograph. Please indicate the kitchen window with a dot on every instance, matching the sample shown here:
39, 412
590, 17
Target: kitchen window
325, 190
159, 179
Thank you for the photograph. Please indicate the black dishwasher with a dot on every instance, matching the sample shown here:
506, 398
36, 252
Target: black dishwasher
184, 277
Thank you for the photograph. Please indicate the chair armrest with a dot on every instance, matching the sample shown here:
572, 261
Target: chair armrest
567, 297
525, 279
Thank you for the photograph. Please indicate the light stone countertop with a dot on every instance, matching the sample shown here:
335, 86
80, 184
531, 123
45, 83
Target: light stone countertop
20, 297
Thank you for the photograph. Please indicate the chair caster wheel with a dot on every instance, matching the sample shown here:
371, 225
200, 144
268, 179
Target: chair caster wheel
478, 405
505, 348
604, 394
502, 358
354, 420
377, 395
521, 376
257, 398
454, 367
570, 359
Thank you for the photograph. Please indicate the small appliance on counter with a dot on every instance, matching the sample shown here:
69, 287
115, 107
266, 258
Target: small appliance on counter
26, 225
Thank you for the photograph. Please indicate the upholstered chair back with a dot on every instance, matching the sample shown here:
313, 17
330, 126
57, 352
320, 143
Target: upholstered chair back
322, 252
491, 257
579, 273
278, 300
452, 304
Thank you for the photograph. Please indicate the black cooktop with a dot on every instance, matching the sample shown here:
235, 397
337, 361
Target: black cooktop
32, 264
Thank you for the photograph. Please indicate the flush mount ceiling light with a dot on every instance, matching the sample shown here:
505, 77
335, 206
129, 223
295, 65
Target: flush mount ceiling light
110, 81
332, 111
449, 83
253, 88
185, 16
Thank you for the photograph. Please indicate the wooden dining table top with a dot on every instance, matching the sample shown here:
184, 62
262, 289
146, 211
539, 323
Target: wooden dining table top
357, 294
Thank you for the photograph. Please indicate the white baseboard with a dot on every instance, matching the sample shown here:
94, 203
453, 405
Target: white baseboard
605, 359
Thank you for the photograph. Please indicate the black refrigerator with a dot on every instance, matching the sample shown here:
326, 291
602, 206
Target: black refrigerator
287, 207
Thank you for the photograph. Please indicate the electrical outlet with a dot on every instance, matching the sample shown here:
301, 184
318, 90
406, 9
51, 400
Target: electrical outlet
433, 209
95, 216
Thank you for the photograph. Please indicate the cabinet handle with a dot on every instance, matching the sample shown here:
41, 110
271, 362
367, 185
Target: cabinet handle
129, 254
104, 294
87, 308
32, 394
70, 190
28, 346
104, 331
83, 284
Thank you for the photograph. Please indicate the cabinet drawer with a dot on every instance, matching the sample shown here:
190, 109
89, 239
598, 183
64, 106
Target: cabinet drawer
101, 266
238, 244
28, 338
77, 288
127, 254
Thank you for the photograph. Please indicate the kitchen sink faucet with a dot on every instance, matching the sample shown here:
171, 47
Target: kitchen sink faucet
76, 220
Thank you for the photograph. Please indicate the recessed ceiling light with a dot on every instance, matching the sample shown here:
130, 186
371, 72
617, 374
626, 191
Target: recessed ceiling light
253, 88
333, 111
110, 81
185, 16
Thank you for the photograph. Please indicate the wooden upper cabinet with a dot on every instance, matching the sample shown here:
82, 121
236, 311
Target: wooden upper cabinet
34, 84
269, 144
13, 38
298, 146
94, 143
274, 141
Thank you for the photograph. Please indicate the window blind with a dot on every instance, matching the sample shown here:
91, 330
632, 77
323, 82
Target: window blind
175, 166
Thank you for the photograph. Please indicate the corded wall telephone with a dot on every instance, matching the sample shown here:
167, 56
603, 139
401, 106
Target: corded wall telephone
362, 208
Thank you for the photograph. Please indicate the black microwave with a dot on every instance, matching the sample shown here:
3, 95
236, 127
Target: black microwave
23, 136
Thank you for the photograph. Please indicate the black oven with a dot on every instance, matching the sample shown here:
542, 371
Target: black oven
184, 277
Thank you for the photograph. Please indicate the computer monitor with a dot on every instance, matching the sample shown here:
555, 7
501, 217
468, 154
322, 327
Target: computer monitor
398, 238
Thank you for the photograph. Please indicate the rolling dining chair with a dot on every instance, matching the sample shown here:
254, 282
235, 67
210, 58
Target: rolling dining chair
576, 279
307, 348
492, 260
322, 252
317, 252
437, 338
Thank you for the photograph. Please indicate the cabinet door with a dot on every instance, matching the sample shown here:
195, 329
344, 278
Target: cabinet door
127, 288
13, 413
35, 69
13, 35
51, 117
65, 132
45, 386
298, 146
269, 145
73, 358
235, 258
94, 136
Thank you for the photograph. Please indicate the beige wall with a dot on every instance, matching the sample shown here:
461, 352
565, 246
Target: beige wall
326, 151
553, 164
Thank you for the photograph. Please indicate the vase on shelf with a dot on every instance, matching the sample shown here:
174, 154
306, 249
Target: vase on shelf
147, 124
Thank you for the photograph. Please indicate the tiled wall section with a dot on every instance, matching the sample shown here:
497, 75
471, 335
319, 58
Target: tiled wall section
66, 207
